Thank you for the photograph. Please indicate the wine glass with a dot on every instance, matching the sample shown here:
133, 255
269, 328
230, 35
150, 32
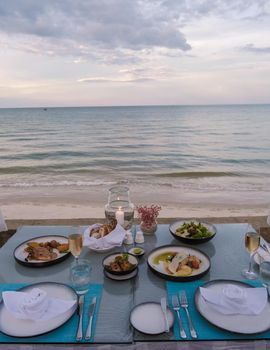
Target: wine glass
252, 243
75, 240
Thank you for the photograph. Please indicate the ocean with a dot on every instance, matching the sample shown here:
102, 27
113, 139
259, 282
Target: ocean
196, 149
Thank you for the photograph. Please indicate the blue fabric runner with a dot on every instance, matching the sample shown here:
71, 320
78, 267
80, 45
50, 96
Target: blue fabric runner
205, 330
65, 333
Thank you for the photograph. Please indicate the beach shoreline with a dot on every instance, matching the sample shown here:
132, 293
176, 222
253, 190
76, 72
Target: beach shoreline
66, 203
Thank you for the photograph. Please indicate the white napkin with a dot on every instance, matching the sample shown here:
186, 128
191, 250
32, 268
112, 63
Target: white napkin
265, 256
35, 305
232, 300
113, 239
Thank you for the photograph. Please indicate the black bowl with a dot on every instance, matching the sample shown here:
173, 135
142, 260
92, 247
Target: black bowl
110, 258
188, 240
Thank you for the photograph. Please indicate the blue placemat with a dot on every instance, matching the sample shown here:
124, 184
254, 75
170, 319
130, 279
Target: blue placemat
65, 333
205, 330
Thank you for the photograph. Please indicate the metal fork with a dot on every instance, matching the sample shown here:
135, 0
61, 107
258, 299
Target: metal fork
184, 304
176, 308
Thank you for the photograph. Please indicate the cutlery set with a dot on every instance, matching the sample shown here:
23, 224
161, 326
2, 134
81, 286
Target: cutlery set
176, 307
91, 311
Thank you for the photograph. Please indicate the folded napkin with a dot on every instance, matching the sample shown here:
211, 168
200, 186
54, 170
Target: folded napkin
113, 239
233, 300
35, 305
264, 256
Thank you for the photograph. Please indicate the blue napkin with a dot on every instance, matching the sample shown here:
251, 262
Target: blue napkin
67, 332
205, 330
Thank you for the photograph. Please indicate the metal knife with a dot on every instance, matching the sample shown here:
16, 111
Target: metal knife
91, 311
163, 303
79, 330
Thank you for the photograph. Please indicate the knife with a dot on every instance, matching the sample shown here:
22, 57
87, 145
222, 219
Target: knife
79, 331
91, 311
163, 304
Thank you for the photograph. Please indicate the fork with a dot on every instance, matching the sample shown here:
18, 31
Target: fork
184, 304
176, 308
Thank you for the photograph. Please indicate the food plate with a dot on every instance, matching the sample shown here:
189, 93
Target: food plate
102, 250
136, 251
244, 324
15, 327
121, 278
158, 258
189, 240
120, 263
20, 254
148, 318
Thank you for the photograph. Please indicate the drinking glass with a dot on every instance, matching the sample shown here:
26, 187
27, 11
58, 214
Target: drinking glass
80, 272
265, 274
75, 240
252, 243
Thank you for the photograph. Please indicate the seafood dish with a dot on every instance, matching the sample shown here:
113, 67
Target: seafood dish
45, 251
120, 263
179, 264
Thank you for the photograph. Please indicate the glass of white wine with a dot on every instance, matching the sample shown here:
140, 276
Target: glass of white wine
75, 240
252, 243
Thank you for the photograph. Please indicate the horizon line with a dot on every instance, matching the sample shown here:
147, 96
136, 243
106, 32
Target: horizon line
145, 105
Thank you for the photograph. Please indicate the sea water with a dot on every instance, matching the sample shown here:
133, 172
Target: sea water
191, 148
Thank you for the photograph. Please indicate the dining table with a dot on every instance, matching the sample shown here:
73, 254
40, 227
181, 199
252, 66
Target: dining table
113, 330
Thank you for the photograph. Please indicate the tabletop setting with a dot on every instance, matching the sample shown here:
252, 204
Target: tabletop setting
127, 282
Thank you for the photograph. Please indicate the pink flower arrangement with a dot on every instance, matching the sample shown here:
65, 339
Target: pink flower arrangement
148, 214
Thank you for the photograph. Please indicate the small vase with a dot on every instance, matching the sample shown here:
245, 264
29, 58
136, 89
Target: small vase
148, 228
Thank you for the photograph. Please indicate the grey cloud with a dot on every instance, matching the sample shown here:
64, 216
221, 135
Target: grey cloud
112, 31
252, 48
84, 27
237, 8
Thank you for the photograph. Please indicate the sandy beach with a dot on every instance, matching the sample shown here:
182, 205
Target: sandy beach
61, 203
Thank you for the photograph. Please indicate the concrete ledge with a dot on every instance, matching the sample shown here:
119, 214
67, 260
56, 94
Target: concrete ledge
5, 235
255, 221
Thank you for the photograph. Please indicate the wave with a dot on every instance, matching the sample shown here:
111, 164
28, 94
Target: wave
198, 174
59, 184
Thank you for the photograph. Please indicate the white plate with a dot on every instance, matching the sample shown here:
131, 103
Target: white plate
133, 251
244, 324
28, 328
20, 254
260, 256
161, 272
121, 277
102, 250
148, 318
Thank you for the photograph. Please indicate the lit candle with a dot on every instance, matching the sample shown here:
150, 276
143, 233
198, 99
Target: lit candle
119, 216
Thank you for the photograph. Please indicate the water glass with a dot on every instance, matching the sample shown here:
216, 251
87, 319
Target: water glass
265, 273
80, 273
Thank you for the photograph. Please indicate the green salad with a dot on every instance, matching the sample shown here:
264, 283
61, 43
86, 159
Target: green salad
193, 230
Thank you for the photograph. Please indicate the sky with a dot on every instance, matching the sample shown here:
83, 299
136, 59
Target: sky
134, 52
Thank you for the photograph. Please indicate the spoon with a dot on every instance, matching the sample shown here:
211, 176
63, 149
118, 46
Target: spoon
163, 304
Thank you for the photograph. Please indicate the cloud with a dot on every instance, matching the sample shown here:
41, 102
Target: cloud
115, 80
252, 48
90, 28
134, 74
